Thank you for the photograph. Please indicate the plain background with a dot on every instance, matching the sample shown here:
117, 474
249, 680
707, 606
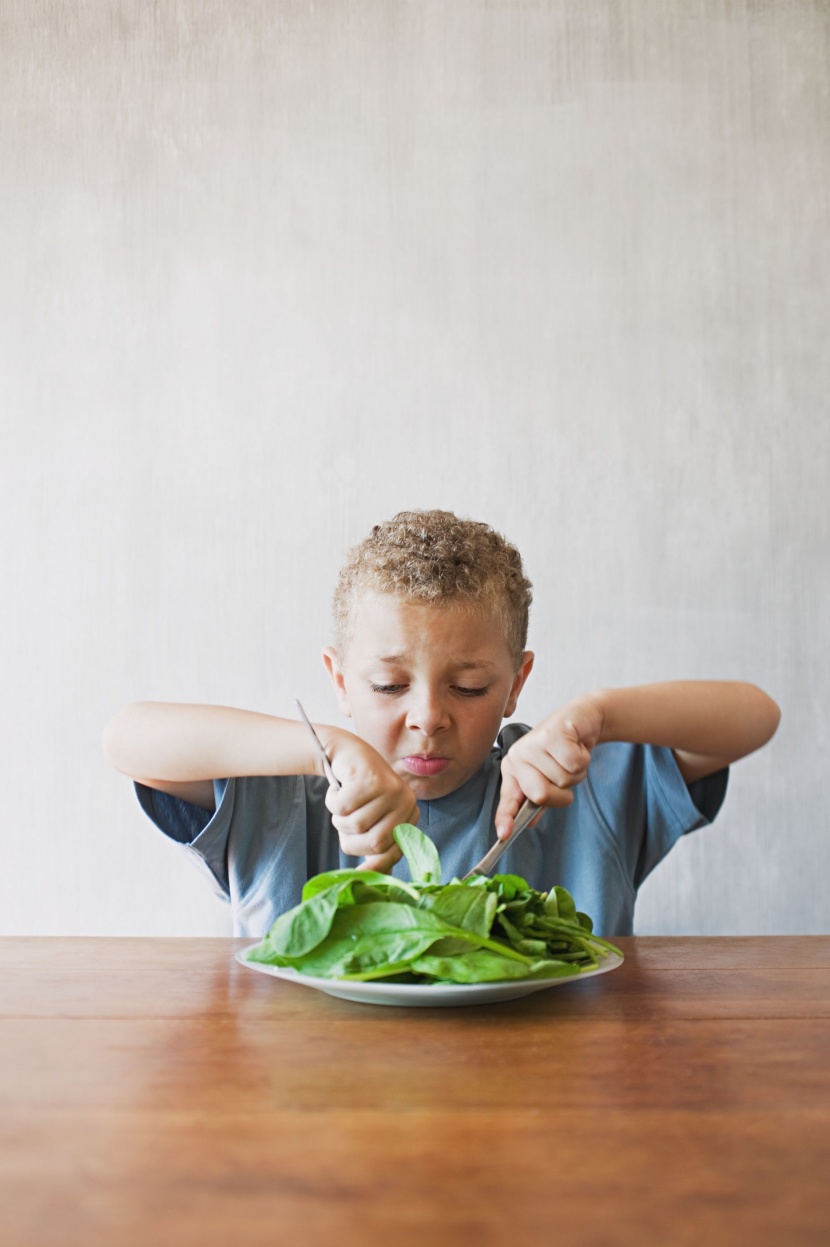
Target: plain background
274, 271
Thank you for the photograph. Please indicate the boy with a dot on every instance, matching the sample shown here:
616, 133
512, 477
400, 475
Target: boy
431, 616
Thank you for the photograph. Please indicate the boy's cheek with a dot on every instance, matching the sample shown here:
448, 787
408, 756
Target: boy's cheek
375, 731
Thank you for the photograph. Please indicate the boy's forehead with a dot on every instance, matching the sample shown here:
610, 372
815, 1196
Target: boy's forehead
393, 629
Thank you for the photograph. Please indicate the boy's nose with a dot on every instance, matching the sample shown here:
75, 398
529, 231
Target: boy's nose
428, 715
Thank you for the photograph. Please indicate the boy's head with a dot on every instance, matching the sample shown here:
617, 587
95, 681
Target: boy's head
436, 559
431, 620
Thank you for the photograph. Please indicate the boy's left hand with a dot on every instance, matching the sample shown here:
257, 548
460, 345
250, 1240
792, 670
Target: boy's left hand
547, 763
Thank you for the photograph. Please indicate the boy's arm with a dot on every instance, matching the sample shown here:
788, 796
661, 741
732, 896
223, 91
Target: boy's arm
181, 749
707, 724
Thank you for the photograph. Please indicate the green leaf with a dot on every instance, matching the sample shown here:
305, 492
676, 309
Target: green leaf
302, 928
472, 909
390, 890
509, 886
265, 953
366, 937
321, 883
520, 940
485, 966
565, 904
420, 853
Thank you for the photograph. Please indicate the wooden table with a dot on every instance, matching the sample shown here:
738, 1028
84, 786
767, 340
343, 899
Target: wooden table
155, 1092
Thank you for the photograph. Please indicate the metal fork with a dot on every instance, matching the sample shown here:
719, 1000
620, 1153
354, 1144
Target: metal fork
318, 745
525, 816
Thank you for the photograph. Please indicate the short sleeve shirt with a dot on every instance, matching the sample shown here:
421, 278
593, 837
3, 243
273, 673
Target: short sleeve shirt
269, 834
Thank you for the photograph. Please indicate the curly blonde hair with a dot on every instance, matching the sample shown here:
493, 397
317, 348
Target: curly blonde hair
436, 558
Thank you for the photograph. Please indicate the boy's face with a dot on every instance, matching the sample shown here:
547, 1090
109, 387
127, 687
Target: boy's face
427, 687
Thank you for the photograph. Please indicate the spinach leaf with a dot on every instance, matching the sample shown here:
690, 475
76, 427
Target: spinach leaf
485, 966
524, 944
510, 886
371, 936
302, 928
473, 909
319, 883
560, 904
420, 853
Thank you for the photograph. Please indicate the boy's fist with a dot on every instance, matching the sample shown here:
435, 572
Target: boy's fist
371, 803
548, 761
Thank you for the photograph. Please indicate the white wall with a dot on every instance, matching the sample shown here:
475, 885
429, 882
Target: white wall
272, 271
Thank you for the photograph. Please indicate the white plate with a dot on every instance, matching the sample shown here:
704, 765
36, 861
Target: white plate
440, 995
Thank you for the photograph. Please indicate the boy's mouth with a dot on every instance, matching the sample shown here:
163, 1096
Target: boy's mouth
418, 765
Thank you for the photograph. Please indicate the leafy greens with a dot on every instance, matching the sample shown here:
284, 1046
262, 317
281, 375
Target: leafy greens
361, 925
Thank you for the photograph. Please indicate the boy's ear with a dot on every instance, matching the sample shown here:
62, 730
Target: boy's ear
518, 683
332, 665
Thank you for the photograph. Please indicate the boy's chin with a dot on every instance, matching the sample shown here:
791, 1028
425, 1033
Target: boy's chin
431, 787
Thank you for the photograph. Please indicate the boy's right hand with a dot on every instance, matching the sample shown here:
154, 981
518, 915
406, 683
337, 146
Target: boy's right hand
371, 803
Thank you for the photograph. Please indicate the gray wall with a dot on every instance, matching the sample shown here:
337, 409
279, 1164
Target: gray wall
271, 272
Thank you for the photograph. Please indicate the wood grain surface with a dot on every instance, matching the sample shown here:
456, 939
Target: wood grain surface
155, 1092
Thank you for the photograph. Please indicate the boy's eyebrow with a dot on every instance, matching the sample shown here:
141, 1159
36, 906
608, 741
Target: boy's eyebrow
480, 664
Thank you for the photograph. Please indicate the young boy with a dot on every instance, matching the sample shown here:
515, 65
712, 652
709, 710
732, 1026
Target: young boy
431, 616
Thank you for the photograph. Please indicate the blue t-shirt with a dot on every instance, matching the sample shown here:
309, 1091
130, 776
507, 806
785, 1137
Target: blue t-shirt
269, 834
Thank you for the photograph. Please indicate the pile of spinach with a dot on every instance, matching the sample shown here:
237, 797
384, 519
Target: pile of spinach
362, 925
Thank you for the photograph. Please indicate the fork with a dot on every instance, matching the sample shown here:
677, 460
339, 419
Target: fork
527, 812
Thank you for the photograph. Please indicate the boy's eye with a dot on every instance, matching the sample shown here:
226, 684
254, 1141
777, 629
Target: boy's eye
390, 689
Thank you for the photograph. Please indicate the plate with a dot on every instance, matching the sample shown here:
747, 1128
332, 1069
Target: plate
413, 995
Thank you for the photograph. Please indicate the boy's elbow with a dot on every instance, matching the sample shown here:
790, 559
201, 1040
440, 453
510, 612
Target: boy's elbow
775, 716
110, 739
768, 715
115, 738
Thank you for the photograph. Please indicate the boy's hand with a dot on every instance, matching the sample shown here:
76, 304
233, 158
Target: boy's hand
371, 803
549, 761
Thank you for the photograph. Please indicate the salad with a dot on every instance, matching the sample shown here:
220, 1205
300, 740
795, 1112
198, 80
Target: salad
360, 925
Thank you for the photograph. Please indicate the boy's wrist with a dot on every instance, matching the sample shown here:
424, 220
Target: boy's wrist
332, 739
604, 703
623, 713
339, 742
